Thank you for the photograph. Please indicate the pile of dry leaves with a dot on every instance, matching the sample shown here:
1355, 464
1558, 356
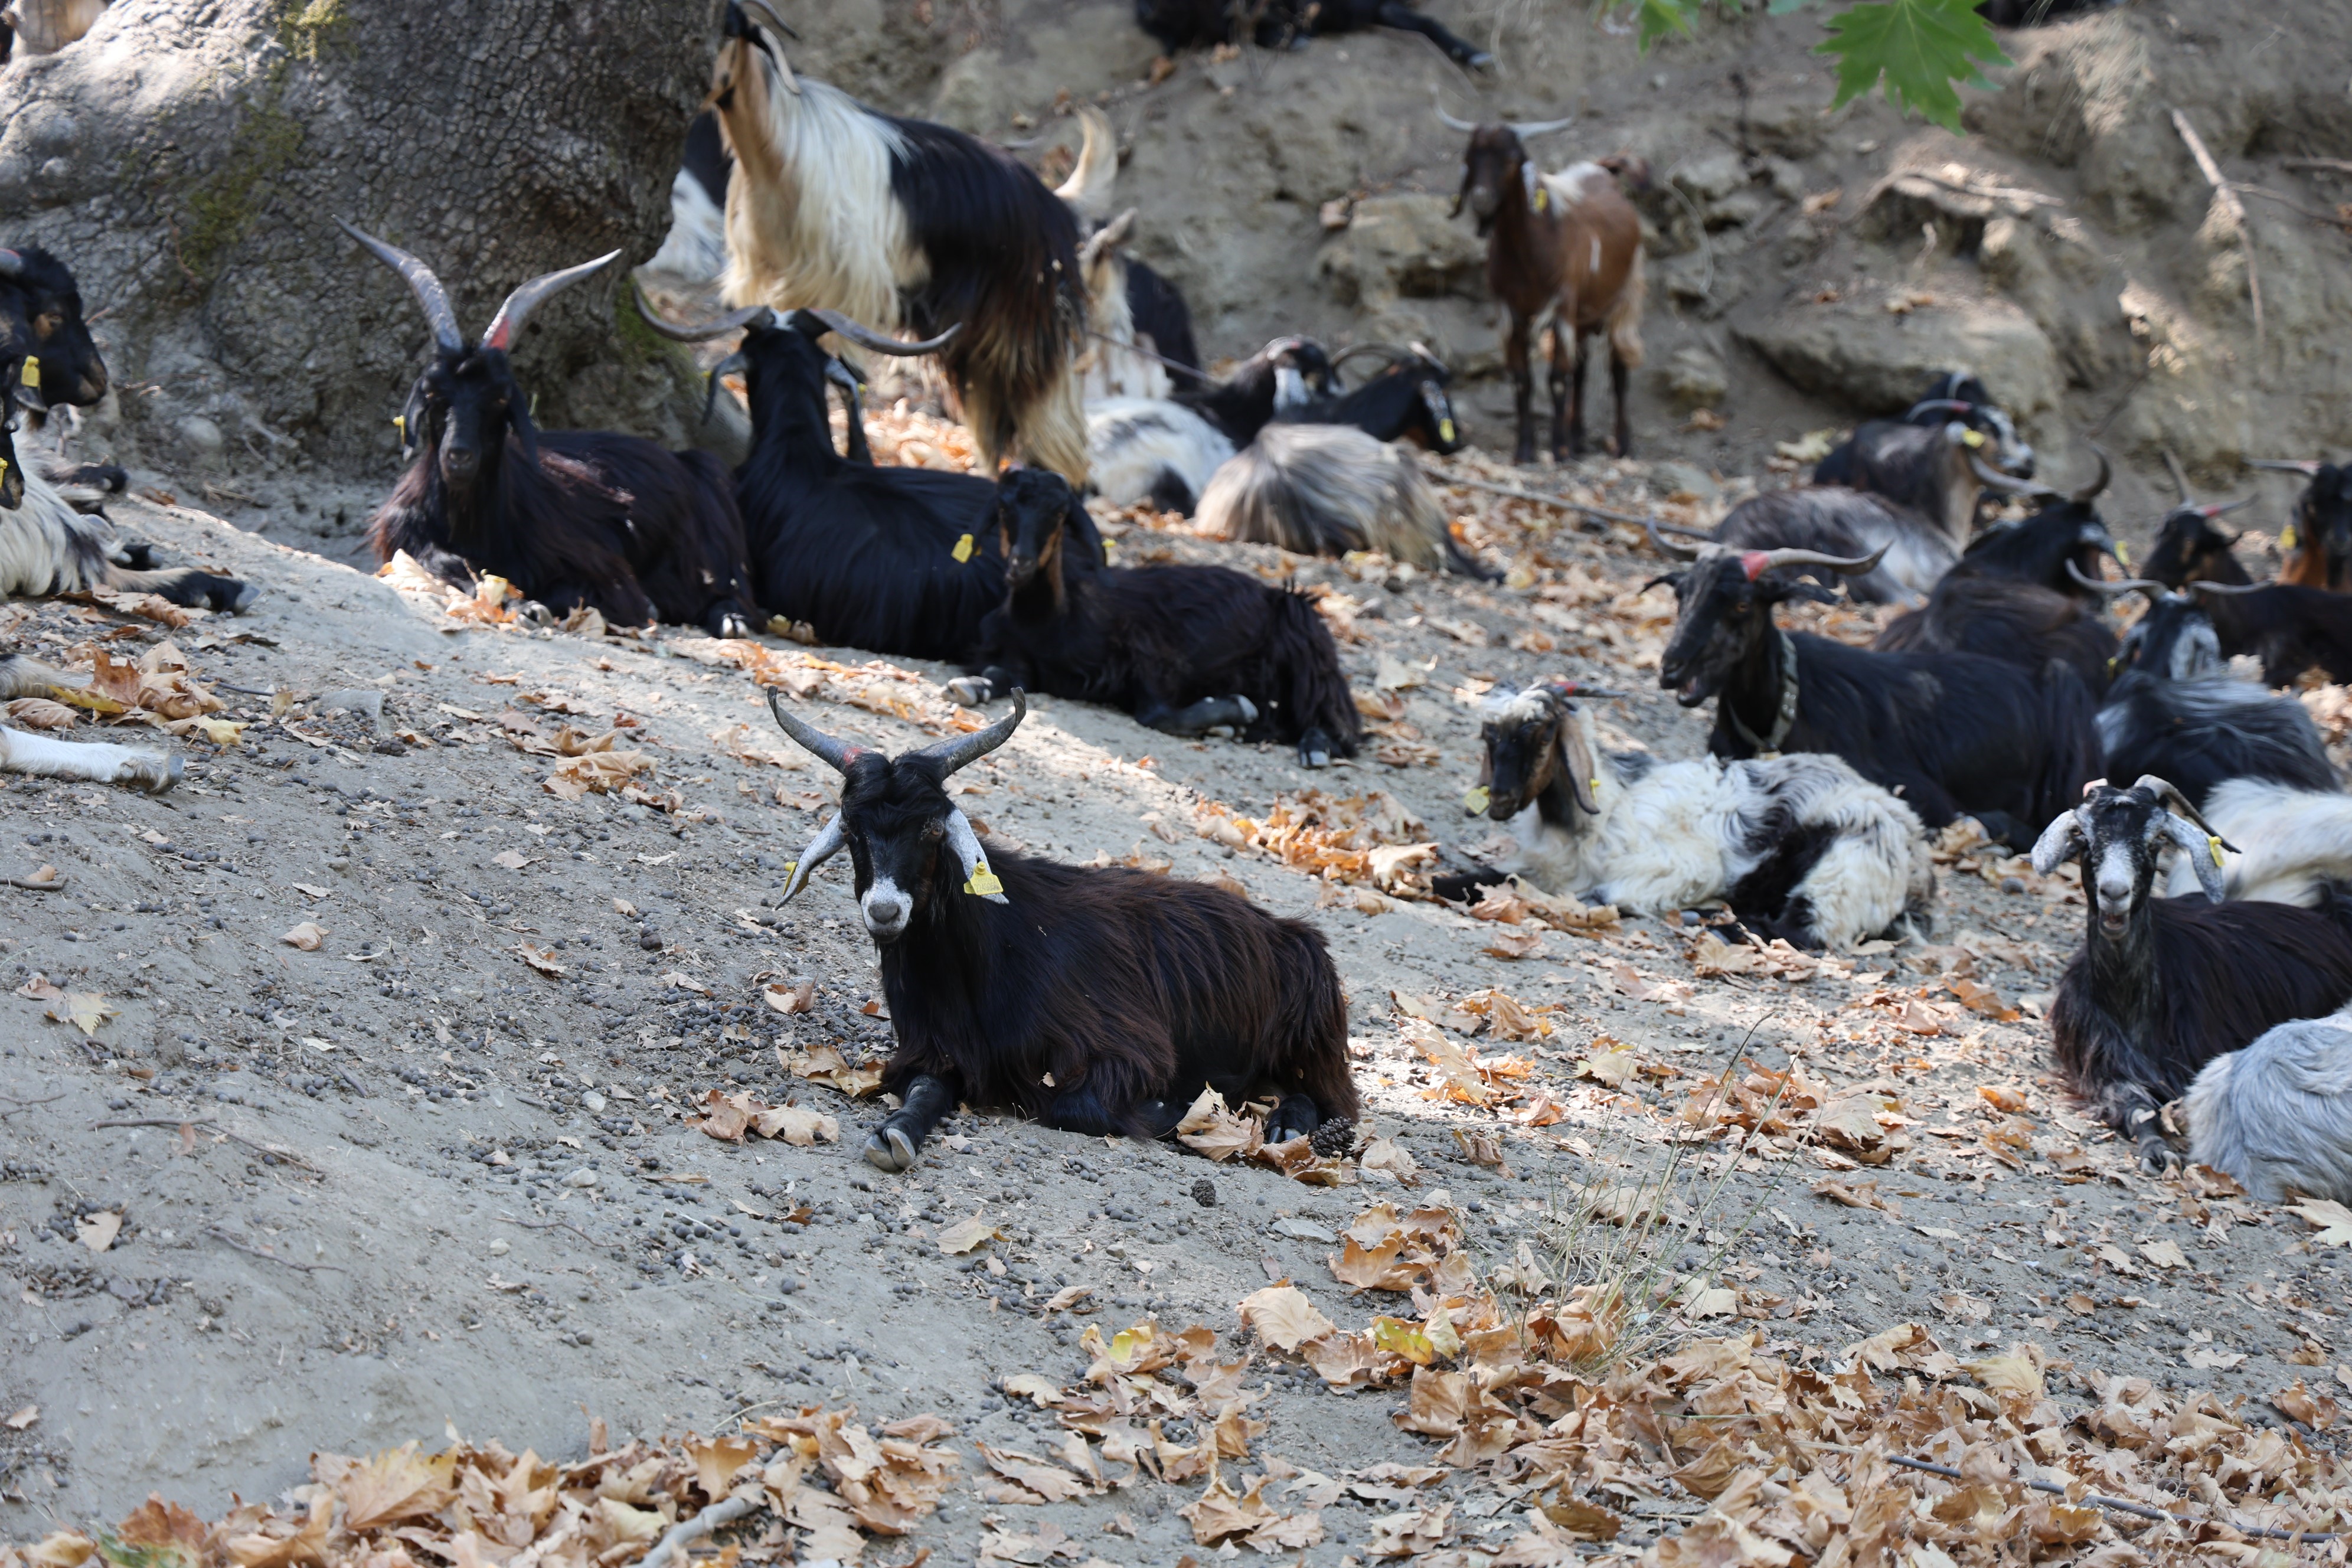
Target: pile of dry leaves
807, 1486
1371, 840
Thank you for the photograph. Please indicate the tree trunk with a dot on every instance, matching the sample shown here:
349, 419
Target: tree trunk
188, 157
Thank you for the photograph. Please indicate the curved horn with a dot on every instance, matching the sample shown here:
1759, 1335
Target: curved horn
13, 265
1848, 566
680, 334
1937, 406
508, 324
966, 750
1390, 352
1540, 127
2090, 492
718, 373
1448, 120
2202, 585
1994, 479
1684, 552
2148, 586
2307, 466
2223, 509
867, 338
809, 737
447, 335
784, 67
1087, 190
820, 848
2178, 804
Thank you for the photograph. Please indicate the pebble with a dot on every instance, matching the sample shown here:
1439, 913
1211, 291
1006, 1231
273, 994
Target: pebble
583, 1177
498, 1249
592, 1100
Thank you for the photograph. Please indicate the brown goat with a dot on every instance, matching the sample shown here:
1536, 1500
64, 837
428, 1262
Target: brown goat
1563, 253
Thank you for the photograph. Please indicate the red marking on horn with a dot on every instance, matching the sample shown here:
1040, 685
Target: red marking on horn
1754, 562
497, 335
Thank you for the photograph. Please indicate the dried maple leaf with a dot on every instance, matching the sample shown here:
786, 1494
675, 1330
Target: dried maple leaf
967, 1236
1284, 1317
306, 936
395, 1485
2334, 1220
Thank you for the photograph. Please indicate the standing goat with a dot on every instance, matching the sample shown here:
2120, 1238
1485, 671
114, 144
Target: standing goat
1097, 1000
694, 249
2162, 986
1949, 732
571, 518
1183, 648
1800, 846
2276, 1115
903, 222
1564, 256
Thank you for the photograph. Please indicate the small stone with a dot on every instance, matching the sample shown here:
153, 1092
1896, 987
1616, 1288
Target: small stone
1204, 1193
649, 940
583, 1177
592, 1100
499, 1249
2012, 885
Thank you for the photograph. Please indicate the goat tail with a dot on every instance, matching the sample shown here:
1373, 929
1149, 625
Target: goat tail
1308, 1054
2294, 845
23, 676
1305, 668
1624, 322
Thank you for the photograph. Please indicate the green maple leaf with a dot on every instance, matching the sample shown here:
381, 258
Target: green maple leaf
1657, 19
1919, 47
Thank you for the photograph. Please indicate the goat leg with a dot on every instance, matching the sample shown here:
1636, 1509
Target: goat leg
1573, 350
1314, 748
980, 690
727, 618
186, 586
1395, 13
1236, 712
1523, 388
1618, 370
1294, 1116
894, 1145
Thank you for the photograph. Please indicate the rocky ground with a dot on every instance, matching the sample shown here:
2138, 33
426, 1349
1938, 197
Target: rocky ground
359, 1093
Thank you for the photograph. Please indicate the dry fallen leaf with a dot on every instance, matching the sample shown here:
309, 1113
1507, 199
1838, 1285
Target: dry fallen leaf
98, 1231
1284, 1317
32, 1412
85, 1010
512, 860
2334, 1220
790, 999
541, 959
306, 936
966, 1234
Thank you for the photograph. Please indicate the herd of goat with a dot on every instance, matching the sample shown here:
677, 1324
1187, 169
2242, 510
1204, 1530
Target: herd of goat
1100, 999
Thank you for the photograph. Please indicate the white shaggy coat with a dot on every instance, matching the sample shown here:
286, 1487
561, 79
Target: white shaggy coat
2277, 1115
1673, 834
695, 246
1325, 489
2289, 841
1142, 448
47, 547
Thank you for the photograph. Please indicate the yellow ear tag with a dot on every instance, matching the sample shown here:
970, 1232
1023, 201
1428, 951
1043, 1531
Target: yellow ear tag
2287, 539
962, 551
31, 375
4, 468
789, 867
1972, 438
400, 423
1543, 199
983, 881
2122, 553
2213, 843
1110, 547
1477, 799
1446, 430
1594, 785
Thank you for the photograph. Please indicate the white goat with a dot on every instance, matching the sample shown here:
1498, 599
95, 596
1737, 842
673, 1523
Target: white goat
1146, 448
2290, 843
2277, 1114
1801, 847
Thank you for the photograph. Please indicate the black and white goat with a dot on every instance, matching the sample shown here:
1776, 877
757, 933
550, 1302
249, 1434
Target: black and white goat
1273, 24
902, 223
2277, 1114
2024, 592
1326, 489
1183, 648
1405, 400
694, 249
1921, 460
2162, 986
1140, 328
1951, 733
1096, 1000
901, 561
1801, 847
571, 518
89, 762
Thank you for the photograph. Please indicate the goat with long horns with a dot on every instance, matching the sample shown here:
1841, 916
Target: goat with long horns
573, 519
1097, 1000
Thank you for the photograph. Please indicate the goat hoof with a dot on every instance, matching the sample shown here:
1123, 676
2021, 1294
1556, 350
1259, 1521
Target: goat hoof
734, 626
242, 599
535, 612
1481, 61
156, 775
2159, 1160
1296, 1117
1315, 749
1248, 707
889, 1149
970, 691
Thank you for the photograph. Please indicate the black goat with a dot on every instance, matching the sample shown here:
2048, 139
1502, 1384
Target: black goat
1288, 375
1948, 733
1271, 24
41, 319
573, 518
2290, 629
900, 561
1921, 460
1405, 400
1183, 648
1097, 1000
2316, 544
2017, 594
2161, 986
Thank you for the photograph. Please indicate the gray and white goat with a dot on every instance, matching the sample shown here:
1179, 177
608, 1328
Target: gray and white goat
2277, 1115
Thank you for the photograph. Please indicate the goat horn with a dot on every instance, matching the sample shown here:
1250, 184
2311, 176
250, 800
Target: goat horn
1847, 567
2203, 586
2223, 509
2090, 492
1392, 353
1684, 551
1448, 120
773, 20
966, 750
820, 848
508, 324
427, 288
867, 338
1539, 127
2178, 804
1087, 191
13, 265
2148, 586
784, 67
1940, 405
682, 334
2307, 466
1994, 479
810, 739
2179, 480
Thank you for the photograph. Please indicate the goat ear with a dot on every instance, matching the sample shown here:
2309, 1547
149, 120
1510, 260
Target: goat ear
1582, 778
2204, 852
820, 848
979, 881
2062, 840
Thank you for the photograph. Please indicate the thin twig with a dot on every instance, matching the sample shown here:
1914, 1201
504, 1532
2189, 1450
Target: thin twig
672, 1546
2325, 166
224, 1132
27, 1104
2227, 194
2120, 1506
552, 1224
2285, 201
1563, 502
250, 1250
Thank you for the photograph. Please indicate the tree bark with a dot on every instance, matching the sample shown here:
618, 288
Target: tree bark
188, 157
